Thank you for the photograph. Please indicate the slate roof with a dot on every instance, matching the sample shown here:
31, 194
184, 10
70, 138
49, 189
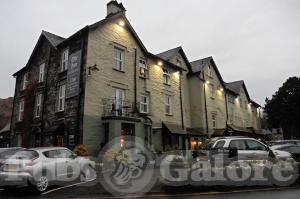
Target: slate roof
198, 65
235, 86
167, 55
55, 40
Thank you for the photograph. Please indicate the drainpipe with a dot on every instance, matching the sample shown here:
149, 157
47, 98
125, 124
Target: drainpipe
225, 93
12, 138
205, 105
180, 94
134, 83
44, 100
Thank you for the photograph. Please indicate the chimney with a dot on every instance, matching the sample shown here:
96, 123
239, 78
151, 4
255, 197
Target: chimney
114, 7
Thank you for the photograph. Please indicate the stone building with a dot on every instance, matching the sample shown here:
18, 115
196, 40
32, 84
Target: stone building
102, 82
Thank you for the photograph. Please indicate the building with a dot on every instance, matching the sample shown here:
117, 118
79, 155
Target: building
102, 82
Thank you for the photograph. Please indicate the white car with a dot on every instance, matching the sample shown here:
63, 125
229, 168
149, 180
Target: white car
41, 167
249, 148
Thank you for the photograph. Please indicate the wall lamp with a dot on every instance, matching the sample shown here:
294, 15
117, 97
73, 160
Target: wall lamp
122, 23
92, 68
160, 63
207, 82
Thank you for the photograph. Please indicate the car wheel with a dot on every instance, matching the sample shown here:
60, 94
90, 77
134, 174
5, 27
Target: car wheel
42, 184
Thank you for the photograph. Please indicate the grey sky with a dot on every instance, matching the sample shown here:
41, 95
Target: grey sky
254, 40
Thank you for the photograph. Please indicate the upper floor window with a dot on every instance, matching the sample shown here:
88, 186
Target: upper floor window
212, 90
42, 73
178, 62
246, 105
241, 103
230, 99
144, 104
118, 96
143, 68
64, 60
166, 76
214, 120
21, 110
61, 97
168, 104
118, 59
25, 81
38, 105
209, 71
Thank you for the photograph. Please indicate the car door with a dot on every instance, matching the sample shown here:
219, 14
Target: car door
68, 167
240, 145
257, 150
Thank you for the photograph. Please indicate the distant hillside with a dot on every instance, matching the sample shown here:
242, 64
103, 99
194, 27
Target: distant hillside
5, 111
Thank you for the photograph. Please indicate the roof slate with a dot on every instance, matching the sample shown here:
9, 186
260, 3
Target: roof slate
198, 65
55, 40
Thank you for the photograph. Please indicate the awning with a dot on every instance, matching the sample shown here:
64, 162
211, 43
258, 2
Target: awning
218, 132
196, 132
6, 128
174, 128
240, 129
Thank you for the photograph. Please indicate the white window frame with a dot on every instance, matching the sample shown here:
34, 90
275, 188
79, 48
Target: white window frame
214, 120
166, 76
64, 59
21, 110
25, 81
168, 104
118, 97
143, 68
42, 73
38, 105
118, 61
61, 98
144, 106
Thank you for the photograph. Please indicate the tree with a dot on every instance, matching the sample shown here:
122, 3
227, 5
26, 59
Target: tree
284, 108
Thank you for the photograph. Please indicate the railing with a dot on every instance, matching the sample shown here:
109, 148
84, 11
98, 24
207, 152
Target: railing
117, 107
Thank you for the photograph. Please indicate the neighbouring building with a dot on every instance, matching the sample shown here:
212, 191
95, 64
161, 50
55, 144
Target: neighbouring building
102, 82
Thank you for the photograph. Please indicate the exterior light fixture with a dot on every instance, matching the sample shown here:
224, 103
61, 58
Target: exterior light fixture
160, 63
221, 89
122, 23
92, 68
207, 82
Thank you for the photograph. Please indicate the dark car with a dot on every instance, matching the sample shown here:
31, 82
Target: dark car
291, 148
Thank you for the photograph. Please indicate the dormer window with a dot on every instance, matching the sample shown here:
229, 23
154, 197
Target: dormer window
209, 71
42, 73
64, 60
178, 62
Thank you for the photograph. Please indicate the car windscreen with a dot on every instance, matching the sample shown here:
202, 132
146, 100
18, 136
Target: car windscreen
25, 155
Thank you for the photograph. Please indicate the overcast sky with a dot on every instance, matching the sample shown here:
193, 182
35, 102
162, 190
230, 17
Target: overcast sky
254, 40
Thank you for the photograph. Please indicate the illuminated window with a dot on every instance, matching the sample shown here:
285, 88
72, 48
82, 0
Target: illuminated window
143, 68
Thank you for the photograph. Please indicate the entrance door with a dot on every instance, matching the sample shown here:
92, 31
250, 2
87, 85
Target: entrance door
127, 129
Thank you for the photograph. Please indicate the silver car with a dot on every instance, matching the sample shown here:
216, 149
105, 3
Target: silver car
42, 167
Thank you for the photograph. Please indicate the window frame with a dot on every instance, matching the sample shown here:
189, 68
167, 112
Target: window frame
144, 68
25, 81
168, 104
64, 60
209, 73
38, 105
117, 59
42, 73
166, 77
21, 110
61, 98
214, 120
146, 104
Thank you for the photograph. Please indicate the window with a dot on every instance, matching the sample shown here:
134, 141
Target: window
230, 99
178, 62
61, 97
253, 145
214, 120
21, 110
118, 59
118, 96
25, 81
144, 104
209, 71
41, 74
168, 105
166, 76
51, 154
143, 68
241, 103
246, 105
38, 105
220, 145
212, 91
239, 144
64, 60
64, 153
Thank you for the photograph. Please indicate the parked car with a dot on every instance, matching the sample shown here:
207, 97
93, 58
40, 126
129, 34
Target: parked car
248, 148
290, 148
42, 167
281, 142
5, 153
